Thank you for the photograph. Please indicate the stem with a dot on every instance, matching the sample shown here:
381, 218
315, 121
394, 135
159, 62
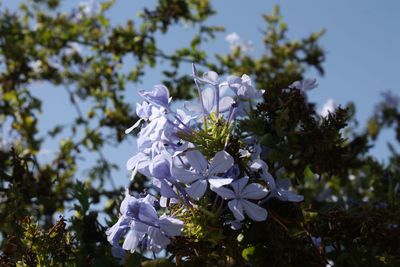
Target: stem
215, 203
200, 96
181, 122
217, 98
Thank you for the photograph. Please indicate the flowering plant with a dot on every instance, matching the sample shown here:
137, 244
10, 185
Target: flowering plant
205, 169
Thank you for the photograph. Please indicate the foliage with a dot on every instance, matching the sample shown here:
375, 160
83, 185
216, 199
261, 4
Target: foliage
350, 214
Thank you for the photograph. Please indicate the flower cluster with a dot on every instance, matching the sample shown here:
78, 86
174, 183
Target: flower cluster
199, 162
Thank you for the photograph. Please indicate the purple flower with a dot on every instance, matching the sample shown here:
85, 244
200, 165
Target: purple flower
202, 172
278, 189
305, 85
139, 163
244, 91
239, 204
139, 222
209, 103
390, 101
243, 87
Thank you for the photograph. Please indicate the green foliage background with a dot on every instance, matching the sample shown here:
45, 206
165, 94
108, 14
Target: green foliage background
359, 228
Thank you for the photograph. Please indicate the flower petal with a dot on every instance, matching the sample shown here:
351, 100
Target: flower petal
157, 240
197, 160
197, 189
208, 99
237, 209
170, 226
147, 213
238, 185
254, 191
211, 77
137, 123
225, 103
190, 106
131, 241
218, 181
286, 195
166, 190
221, 162
223, 192
255, 212
185, 176
283, 183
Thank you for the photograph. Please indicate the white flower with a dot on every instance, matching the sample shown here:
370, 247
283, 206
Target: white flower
233, 39
90, 8
234, 42
329, 107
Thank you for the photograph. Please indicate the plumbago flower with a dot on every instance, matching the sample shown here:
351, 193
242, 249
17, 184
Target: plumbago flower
238, 204
202, 173
142, 226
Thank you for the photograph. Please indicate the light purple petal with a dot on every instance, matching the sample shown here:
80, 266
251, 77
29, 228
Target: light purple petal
147, 213
254, 191
133, 161
289, 196
223, 192
267, 177
158, 96
131, 242
208, 99
197, 160
115, 232
235, 225
218, 181
190, 106
211, 77
283, 183
221, 163
225, 103
197, 189
185, 176
139, 228
137, 123
160, 165
157, 240
170, 226
166, 190
238, 185
255, 212
259, 164
237, 209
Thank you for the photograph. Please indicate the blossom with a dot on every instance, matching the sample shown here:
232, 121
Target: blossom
209, 103
234, 41
90, 8
305, 85
202, 172
329, 107
239, 203
139, 222
244, 91
278, 189
390, 100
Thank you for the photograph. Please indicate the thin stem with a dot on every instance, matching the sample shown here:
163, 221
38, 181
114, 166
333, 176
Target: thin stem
215, 203
229, 122
200, 96
181, 122
217, 98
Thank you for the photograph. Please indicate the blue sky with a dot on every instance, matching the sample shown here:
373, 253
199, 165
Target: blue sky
362, 42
